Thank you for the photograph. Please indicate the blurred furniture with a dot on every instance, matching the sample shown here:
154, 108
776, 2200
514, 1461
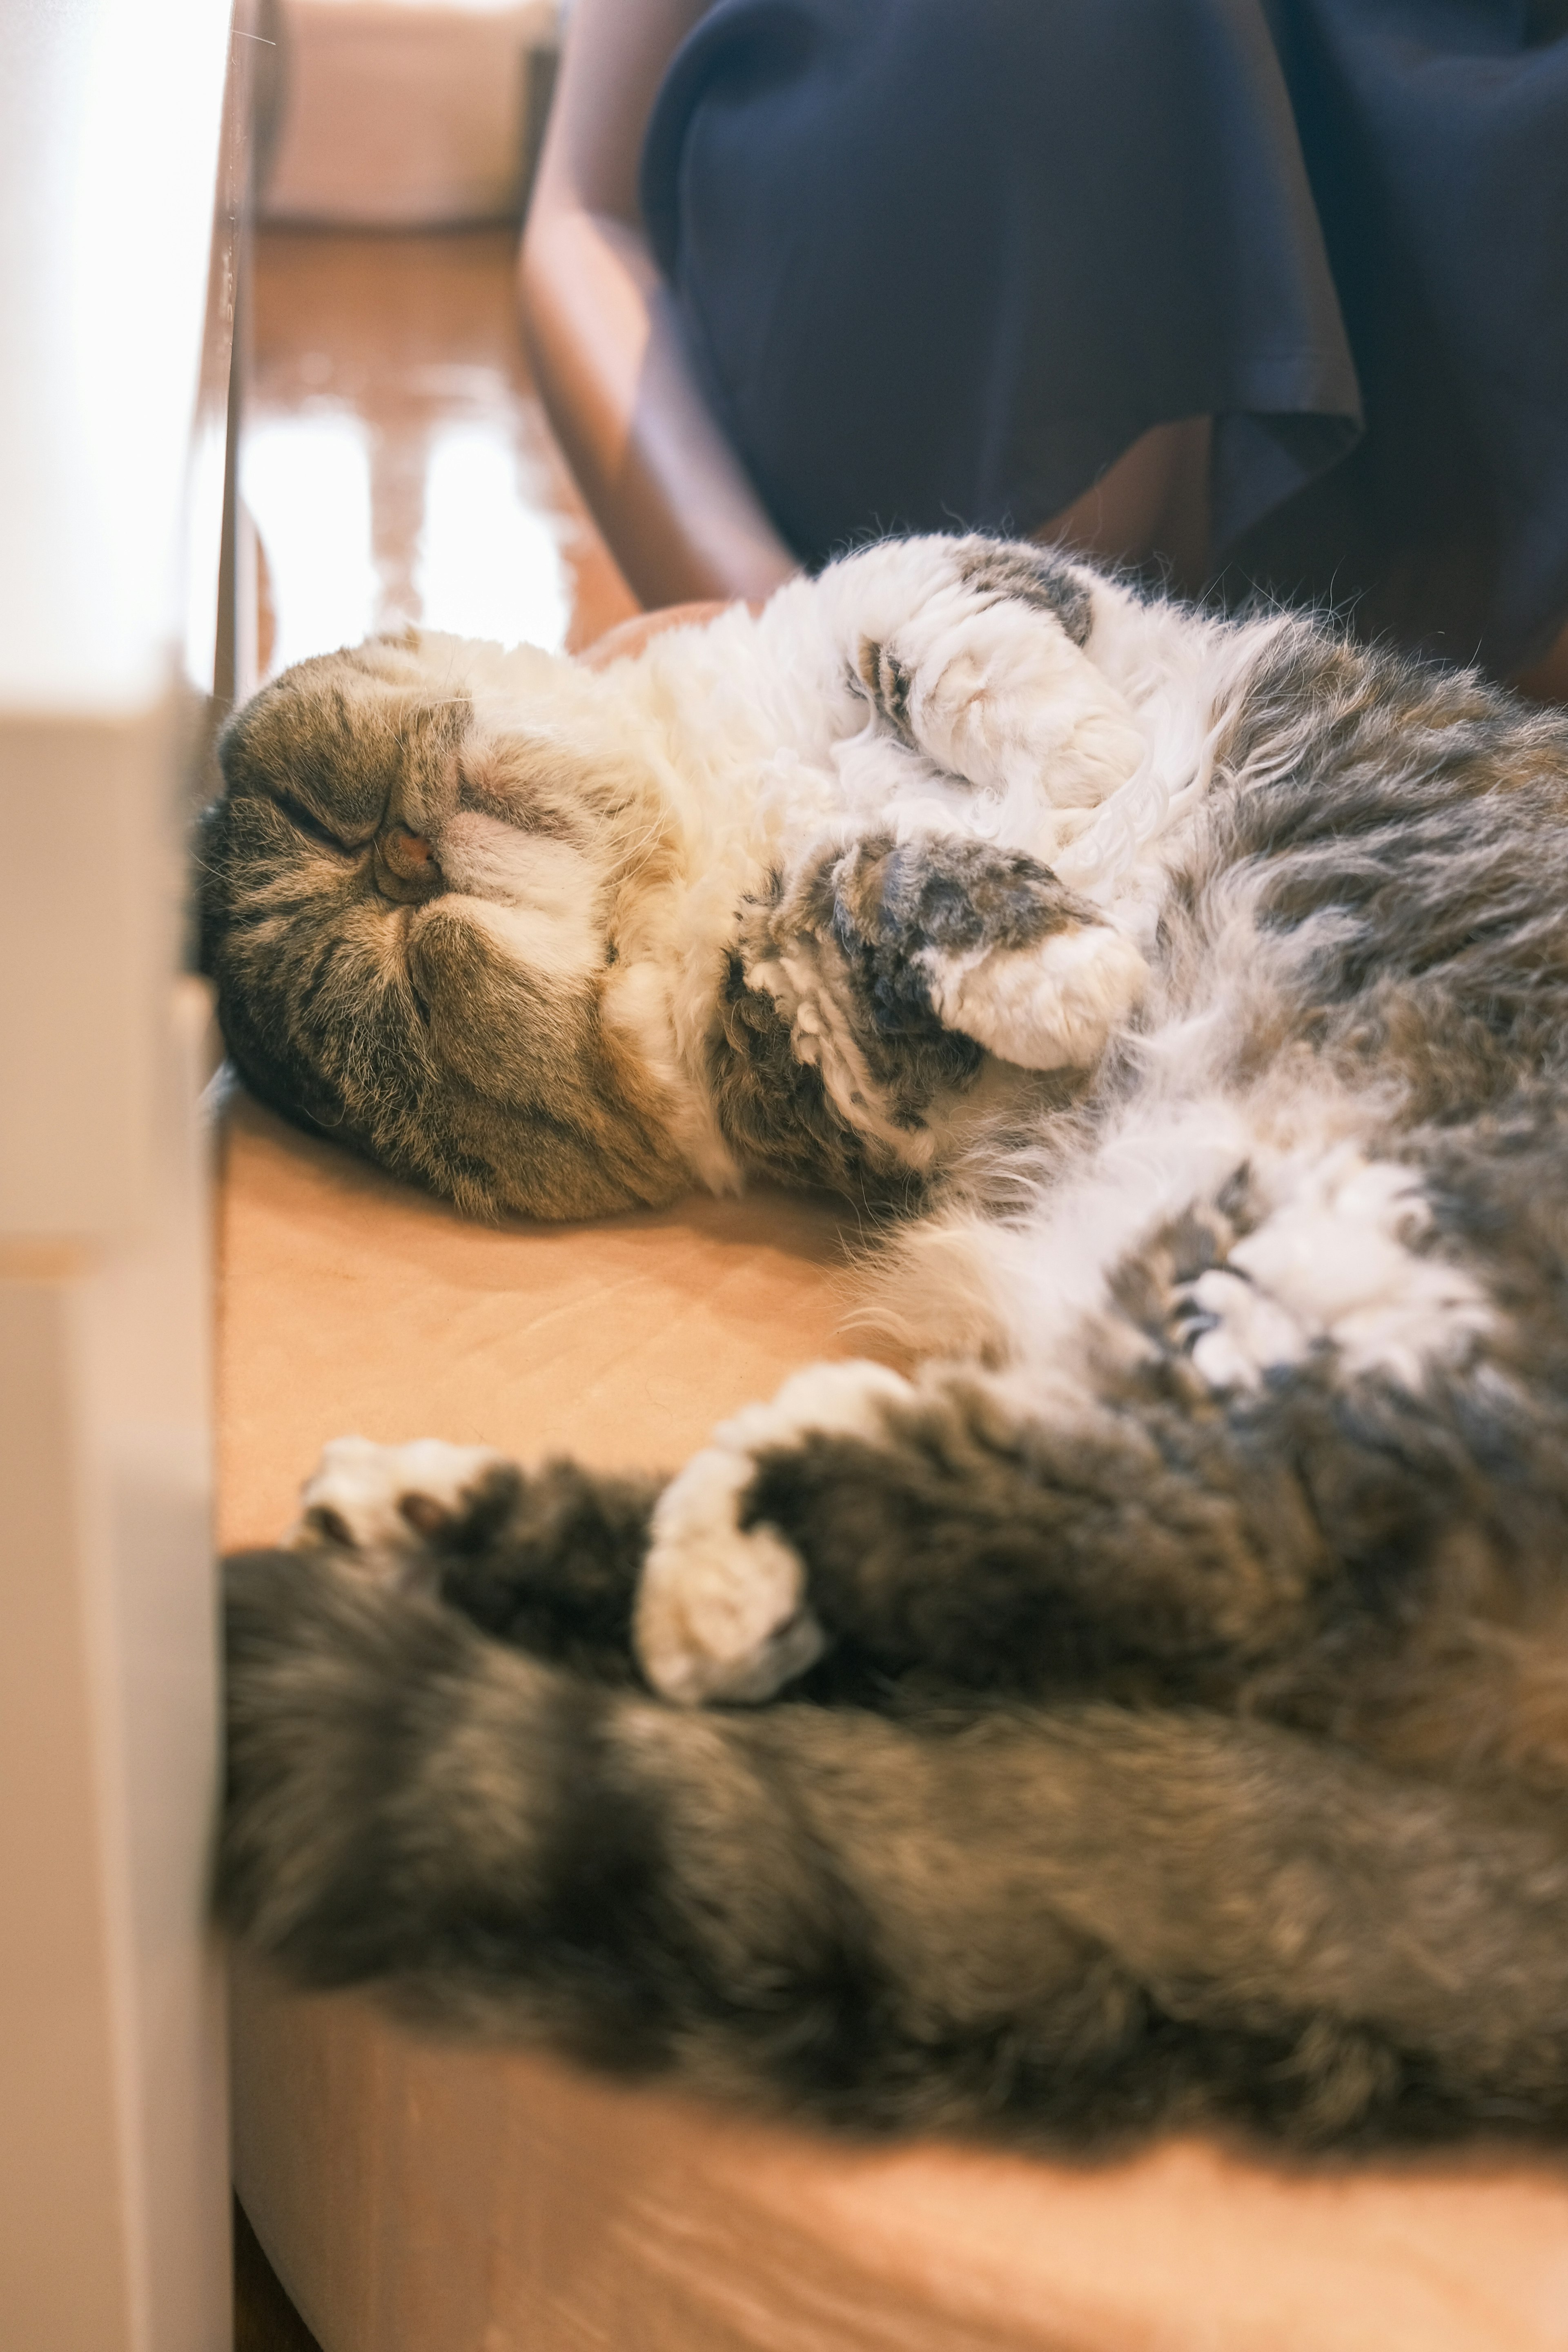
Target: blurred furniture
415, 2196
120, 177
408, 113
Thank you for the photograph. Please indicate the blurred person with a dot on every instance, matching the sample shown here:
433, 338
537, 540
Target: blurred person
1255, 292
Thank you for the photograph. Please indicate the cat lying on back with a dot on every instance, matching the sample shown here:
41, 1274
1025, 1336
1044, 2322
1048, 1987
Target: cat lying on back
1171, 1680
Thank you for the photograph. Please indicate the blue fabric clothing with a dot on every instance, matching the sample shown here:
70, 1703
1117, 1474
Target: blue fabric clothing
940, 261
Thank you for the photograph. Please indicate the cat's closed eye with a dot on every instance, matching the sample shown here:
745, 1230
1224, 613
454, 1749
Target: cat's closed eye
307, 822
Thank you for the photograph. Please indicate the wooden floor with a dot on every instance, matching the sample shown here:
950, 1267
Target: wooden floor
396, 457
264, 2318
398, 468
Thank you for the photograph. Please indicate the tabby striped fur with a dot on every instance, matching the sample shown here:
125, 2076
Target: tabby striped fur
1155, 1706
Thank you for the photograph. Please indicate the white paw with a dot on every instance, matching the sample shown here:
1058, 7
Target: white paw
721, 1611
1016, 704
1051, 1007
382, 1501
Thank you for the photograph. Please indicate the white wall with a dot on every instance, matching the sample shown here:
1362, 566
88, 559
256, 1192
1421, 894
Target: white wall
113, 2177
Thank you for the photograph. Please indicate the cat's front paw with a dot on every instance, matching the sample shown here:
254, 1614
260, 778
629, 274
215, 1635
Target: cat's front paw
382, 1504
1052, 1006
723, 1610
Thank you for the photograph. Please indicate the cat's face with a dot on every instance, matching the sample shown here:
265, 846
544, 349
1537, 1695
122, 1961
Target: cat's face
408, 905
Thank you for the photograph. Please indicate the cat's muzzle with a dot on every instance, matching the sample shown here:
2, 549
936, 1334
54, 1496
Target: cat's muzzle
407, 867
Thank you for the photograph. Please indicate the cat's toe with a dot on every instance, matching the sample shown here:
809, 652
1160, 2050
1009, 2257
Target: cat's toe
721, 1610
1052, 1006
382, 1503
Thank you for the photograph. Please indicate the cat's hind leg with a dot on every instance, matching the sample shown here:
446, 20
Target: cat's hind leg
380, 1503
933, 1525
1265, 1433
547, 1561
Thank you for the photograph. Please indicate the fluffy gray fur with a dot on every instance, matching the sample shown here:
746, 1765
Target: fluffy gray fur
1168, 1685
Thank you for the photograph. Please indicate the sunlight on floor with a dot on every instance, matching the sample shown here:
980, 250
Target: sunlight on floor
306, 480
488, 562
487, 559
395, 459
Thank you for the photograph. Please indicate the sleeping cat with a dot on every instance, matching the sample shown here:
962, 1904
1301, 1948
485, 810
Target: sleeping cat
1168, 1683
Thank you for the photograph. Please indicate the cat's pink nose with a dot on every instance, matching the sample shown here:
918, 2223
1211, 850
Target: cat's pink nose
407, 867
409, 855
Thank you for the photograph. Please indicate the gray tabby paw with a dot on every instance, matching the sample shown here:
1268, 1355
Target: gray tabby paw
381, 1502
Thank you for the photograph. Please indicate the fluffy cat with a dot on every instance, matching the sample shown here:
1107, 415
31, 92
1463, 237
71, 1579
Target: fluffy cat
1169, 1681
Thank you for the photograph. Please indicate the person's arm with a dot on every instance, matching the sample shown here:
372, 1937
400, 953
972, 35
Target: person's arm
669, 493
627, 639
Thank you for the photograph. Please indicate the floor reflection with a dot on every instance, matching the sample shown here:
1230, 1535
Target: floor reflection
306, 480
490, 562
396, 461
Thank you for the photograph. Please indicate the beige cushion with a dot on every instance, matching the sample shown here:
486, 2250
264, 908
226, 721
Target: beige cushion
419, 2197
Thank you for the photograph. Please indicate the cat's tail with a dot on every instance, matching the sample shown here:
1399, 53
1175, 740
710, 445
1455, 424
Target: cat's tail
1073, 1921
